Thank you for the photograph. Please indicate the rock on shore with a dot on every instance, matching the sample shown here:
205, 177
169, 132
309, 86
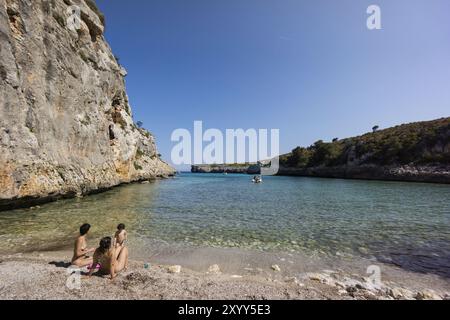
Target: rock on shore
66, 125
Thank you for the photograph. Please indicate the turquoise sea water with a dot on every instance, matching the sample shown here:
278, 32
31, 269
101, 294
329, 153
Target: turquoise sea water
406, 224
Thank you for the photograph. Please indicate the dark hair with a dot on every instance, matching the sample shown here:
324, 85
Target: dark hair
121, 227
84, 229
105, 244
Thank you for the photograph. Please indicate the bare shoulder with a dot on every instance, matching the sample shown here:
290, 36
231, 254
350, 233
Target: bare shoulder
96, 254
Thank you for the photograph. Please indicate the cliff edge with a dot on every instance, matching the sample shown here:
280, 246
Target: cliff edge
66, 127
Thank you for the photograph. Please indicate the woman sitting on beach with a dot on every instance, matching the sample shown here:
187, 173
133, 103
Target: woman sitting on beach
109, 259
80, 254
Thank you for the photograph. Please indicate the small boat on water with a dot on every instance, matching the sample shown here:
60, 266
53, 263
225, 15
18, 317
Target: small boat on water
257, 179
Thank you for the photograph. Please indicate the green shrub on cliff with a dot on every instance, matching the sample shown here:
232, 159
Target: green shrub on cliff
299, 158
418, 143
93, 6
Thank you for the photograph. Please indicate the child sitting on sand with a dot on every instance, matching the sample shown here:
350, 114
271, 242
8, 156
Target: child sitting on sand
120, 236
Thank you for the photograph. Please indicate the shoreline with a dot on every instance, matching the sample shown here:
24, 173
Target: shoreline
30, 202
407, 173
43, 275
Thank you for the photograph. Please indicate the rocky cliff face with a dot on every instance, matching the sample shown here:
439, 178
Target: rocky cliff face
66, 127
409, 173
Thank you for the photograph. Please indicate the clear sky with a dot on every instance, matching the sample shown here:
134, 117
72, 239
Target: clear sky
309, 68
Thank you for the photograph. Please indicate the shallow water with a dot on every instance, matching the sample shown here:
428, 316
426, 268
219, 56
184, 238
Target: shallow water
405, 224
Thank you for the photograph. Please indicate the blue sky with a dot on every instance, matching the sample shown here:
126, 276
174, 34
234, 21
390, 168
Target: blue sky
309, 68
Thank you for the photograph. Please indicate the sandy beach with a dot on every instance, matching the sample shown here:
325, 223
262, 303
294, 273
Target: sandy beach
239, 150
45, 276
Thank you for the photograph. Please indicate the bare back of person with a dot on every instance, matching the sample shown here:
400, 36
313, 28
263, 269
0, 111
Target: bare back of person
80, 258
120, 238
111, 259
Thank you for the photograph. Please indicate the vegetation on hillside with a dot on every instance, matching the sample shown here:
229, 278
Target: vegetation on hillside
93, 6
415, 143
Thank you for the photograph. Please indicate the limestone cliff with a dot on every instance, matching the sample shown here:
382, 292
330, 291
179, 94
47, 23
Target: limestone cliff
66, 127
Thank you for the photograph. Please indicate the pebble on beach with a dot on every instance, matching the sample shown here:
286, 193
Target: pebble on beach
293, 280
214, 269
174, 269
276, 268
428, 295
400, 293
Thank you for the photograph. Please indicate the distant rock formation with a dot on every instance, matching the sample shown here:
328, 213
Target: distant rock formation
239, 169
66, 127
422, 173
416, 152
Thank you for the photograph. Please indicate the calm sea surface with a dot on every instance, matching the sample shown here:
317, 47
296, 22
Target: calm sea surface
405, 224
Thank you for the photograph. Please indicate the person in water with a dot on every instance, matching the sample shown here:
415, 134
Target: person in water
109, 259
80, 253
120, 237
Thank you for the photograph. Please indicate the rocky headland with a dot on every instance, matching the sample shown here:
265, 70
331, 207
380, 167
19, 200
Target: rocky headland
411, 173
238, 169
66, 126
415, 152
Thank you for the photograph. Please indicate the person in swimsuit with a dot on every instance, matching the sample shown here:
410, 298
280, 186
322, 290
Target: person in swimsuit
108, 259
120, 237
80, 253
